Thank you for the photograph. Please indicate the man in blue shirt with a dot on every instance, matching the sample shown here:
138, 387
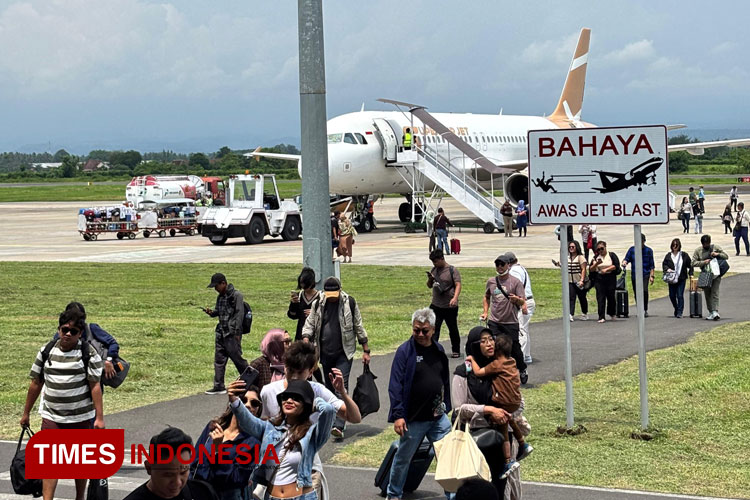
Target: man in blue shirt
648, 270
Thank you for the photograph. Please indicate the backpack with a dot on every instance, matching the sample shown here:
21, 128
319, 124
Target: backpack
247, 318
85, 354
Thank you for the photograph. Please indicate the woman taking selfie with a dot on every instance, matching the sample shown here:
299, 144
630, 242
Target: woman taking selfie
295, 438
607, 266
230, 480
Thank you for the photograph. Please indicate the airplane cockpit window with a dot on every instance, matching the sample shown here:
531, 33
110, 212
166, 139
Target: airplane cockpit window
349, 138
334, 138
361, 138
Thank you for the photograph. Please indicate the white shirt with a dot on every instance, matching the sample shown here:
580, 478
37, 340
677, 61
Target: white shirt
518, 271
744, 218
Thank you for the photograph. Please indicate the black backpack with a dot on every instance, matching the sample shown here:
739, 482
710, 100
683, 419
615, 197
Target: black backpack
21, 485
247, 318
85, 354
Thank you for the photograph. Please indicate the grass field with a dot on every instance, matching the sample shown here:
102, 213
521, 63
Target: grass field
700, 409
153, 311
101, 192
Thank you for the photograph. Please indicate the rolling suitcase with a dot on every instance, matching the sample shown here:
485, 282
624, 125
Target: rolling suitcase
418, 466
455, 246
621, 300
696, 305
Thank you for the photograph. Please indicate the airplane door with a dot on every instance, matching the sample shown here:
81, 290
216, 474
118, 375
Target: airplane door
390, 141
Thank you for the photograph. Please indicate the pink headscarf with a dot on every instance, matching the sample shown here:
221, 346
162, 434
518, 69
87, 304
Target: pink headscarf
272, 347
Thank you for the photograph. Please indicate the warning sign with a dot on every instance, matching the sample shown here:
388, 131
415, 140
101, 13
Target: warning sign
599, 175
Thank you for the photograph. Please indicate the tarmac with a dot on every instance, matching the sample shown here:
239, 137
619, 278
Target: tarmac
35, 231
593, 346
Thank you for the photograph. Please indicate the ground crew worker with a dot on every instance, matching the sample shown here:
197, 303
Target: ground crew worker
406, 139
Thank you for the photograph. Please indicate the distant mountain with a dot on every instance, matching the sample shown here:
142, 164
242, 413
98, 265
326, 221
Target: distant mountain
147, 145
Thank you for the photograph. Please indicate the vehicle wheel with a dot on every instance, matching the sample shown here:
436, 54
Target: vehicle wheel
93, 237
489, 227
292, 228
366, 225
172, 232
190, 232
131, 236
162, 233
86, 236
120, 236
256, 231
220, 241
146, 234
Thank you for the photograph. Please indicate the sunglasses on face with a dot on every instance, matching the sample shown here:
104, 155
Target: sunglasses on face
65, 330
255, 403
294, 397
600, 249
422, 331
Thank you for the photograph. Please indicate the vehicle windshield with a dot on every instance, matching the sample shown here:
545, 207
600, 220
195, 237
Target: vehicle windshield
244, 190
334, 138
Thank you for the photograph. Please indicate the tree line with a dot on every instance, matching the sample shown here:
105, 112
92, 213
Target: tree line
225, 161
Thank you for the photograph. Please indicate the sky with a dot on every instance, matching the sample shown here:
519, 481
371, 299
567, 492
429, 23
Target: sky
192, 75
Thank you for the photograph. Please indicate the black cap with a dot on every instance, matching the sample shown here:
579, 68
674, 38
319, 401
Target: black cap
332, 284
301, 388
502, 258
217, 279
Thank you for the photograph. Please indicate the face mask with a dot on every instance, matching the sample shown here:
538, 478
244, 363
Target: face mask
504, 272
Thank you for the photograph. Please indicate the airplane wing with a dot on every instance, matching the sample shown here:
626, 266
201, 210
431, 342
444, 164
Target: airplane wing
698, 148
281, 156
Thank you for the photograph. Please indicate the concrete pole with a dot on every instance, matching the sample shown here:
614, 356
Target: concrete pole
569, 420
312, 98
639, 284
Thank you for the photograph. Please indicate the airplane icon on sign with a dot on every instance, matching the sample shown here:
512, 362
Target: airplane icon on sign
640, 175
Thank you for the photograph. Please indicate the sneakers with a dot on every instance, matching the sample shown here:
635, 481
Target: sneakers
509, 467
216, 390
716, 316
528, 360
571, 318
524, 451
711, 316
583, 317
337, 433
524, 377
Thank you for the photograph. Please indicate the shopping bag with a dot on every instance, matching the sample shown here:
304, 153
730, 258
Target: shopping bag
366, 395
21, 485
459, 459
714, 266
98, 489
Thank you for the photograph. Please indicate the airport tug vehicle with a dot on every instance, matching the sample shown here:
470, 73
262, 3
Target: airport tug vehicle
253, 209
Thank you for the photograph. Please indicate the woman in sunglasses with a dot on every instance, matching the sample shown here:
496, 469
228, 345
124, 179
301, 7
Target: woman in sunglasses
293, 435
676, 266
577, 280
229, 480
270, 364
606, 265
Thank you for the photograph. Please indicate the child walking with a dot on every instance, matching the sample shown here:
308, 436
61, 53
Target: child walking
506, 394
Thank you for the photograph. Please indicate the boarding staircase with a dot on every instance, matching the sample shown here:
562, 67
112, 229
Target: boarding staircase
453, 179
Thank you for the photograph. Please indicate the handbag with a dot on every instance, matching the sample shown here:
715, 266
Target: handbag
366, 395
487, 438
261, 490
122, 368
705, 278
672, 276
458, 459
21, 485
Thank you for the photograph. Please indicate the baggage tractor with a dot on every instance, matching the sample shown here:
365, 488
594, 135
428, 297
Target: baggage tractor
621, 300
455, 246
418, 466
696, 304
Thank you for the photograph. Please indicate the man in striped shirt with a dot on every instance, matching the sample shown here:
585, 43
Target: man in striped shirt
72, 395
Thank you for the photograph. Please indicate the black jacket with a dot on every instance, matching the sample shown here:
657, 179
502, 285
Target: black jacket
686, 267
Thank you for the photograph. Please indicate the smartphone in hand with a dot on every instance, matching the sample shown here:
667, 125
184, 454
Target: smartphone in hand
249, 376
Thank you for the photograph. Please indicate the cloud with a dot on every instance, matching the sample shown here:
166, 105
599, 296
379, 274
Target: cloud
724, 47
558, 50
636, 51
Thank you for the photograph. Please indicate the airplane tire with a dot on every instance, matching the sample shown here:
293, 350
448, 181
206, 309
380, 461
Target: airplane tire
292, 228
366, 225
256, 231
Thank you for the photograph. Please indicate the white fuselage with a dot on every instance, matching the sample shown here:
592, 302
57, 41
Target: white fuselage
356, 168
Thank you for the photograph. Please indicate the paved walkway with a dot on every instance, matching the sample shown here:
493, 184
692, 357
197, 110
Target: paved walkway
594, 345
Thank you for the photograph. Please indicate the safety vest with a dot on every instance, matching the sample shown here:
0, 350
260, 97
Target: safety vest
407, 140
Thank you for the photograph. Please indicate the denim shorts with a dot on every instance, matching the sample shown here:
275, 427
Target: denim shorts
305, 496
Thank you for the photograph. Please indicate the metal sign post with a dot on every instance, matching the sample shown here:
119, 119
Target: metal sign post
639, 284
566, 325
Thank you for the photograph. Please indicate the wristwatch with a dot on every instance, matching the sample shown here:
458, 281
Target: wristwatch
109, 358
366, 351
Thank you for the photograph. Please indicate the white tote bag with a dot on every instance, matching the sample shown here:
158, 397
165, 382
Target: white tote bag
714, 265
459, 459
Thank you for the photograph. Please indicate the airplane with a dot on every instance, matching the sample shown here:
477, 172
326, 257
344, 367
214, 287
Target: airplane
644, 173
360, 144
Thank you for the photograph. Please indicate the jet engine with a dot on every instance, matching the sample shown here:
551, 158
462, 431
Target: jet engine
517, 187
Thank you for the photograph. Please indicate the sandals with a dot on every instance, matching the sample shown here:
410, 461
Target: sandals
456, 355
